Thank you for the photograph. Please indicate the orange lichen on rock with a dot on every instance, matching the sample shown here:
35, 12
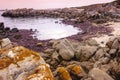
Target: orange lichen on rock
20, 63
22, 53
76, 69
42, 72
5, 62
63, 74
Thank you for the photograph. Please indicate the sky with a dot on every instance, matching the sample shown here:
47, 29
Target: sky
43, 4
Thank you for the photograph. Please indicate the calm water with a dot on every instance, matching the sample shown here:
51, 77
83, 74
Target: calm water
47, 28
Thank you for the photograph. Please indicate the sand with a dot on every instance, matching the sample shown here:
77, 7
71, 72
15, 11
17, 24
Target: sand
104, 38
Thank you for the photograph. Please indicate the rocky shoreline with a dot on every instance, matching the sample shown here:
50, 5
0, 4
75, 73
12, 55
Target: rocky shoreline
87, 18
78, 57
65, 60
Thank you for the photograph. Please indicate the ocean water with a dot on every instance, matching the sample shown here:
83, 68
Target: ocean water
46, 28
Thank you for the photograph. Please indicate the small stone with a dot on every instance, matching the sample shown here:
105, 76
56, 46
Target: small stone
39, 44
92, 42
1, 26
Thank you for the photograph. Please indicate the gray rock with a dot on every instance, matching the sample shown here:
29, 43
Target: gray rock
55, 56
66, 50
115, 44
99, 54
85, 52
92, 42
66, 54
97, 74
112, 51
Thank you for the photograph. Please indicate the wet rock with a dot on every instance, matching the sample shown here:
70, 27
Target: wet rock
97, 74
1, 26
7, 29
14, 30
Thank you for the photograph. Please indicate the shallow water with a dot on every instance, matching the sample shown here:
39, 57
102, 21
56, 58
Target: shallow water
46, 28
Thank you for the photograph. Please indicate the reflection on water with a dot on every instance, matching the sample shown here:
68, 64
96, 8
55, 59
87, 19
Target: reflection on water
46, 28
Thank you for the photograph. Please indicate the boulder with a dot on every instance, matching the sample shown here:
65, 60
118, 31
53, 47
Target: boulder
92, 42
65, 48
76, 71
84, 53
97, 74
99, 54
20, 63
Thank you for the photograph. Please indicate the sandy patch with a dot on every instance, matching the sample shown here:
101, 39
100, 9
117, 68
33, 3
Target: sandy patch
104, 38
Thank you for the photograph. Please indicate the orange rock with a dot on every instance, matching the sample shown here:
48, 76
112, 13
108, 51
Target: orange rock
63, 74
42, 72
76, 70
20, 63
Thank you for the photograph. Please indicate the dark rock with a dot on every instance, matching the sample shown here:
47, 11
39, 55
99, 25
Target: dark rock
1, 26
17, 36
7, 29
14, 30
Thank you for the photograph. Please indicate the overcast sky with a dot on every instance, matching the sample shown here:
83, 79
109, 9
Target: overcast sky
41, 4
